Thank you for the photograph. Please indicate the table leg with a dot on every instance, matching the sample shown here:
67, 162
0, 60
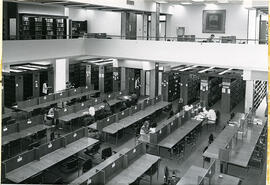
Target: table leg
151, 176
158, 170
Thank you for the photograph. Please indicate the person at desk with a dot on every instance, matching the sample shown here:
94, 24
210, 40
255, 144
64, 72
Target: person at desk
123, 106
107, 108
89, 116
211, 38
145, 128
211, 115
210, 139
50, 115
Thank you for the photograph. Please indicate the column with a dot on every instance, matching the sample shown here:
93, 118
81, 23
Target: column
142, 82
123, 79
101, 78
123, 24
184, 88
155, 23
249, 95
165, 85
226, 95
204, 90
36, 84
60, 74
116, 79
154, 81
88, 75
144, 31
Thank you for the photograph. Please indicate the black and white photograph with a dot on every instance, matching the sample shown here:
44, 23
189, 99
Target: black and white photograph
134, 92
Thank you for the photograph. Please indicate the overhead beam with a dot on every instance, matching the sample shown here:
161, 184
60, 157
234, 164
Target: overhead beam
226, 71
203, 71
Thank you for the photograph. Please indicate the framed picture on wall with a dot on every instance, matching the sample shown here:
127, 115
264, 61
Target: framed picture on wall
214, 21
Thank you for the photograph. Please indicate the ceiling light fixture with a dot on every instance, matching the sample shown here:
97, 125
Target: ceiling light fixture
198, 0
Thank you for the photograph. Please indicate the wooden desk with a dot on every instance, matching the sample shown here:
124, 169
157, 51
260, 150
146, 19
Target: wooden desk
20, 174
78, 114
24, 133
225, 180
84, 177
42, 105
179, 134
135, 170
191, 176
220, 142
242, 152
130, 120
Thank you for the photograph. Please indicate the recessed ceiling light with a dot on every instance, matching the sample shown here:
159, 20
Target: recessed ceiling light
186, 3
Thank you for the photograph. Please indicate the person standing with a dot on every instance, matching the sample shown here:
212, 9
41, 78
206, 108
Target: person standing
45, 89
137, 86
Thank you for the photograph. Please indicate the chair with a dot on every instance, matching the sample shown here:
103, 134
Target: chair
94, 150
105, 153
87, 165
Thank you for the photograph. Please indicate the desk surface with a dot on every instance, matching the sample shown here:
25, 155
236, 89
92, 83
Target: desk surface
220, 142
191, 176
242, 152
84, 177
179, 133
24, 133
225, 180
134, 170
127, 121
30, 109
78, 114
24, 172
176, 136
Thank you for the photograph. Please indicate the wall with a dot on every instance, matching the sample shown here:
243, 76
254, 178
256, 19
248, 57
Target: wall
41, 9
77, 14
104, 22
191, 18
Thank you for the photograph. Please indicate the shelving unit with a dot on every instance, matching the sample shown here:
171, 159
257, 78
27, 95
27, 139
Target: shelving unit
237, 92
193, 88
59, 28
108, 78
95, 76
78, 28
215, 87
48, 25
38, 27
171, 85
259, 92
9, 90
25, 28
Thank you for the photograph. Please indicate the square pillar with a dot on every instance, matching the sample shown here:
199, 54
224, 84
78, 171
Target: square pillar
204, 90
249, 94
226, 95
101, 78
60, 74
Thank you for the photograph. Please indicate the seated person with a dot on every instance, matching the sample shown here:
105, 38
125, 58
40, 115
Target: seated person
107, 108
210, 139
123, 106
211, 115
50, 115
171, 114
134, 99
145, 128
211, 38
88, 120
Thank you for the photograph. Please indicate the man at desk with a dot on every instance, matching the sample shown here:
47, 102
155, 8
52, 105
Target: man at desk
145, 128
107, 108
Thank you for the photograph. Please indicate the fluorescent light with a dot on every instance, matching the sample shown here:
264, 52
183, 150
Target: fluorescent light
197, 0
162, 2
186, 3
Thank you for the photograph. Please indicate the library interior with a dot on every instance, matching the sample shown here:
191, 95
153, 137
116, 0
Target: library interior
103, 92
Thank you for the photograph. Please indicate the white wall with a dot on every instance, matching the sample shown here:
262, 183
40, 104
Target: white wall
41, 9
77, 14
191, 18
104, 22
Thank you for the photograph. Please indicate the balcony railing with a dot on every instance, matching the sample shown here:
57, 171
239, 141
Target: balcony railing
185, 38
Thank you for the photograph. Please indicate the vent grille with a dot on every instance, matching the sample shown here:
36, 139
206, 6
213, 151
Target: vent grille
129, 2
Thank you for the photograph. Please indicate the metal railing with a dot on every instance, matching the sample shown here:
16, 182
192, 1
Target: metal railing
167, 39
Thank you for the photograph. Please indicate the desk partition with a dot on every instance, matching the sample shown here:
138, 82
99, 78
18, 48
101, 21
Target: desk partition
105, 122
106, 170
123, 114
38, 152
22, 125
136, 108
59, 95
28, 103
46, 98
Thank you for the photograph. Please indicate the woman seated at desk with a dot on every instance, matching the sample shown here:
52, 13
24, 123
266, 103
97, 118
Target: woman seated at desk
145, 128
89, 116
50, 115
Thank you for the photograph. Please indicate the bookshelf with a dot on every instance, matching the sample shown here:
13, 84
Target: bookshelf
78, 28
237, 92
214, 93
108, 78
25, 28
193, 88
59, 28
48, 28
38, 27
